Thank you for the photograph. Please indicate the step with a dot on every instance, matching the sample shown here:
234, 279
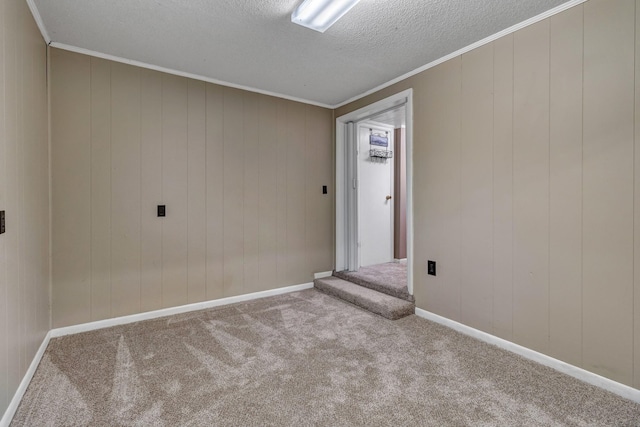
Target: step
376, 302
368, 277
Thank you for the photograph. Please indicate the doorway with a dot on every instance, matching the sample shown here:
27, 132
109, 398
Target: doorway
375, 195
361, 209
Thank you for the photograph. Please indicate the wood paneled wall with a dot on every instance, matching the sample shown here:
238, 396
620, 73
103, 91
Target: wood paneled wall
24, 195
526, 189
241, 175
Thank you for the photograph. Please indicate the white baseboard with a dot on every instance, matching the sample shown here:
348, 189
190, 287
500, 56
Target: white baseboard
566, 368
123, 320
322, 274
22, 388
101, 324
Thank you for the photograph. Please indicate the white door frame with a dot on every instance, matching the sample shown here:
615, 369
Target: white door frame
346, 194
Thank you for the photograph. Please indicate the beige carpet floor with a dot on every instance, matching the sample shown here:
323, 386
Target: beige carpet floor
301, 359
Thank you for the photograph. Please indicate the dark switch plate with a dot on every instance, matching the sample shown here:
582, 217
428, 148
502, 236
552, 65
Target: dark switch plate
2, 226
162, 210
431, 268
324, 189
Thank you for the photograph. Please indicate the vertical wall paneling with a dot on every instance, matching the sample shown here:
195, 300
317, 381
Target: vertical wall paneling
268, 194
24, 196
222, 160
42, 110
125, 189
318, 233
422, 199
174, 177
36, 120
23, 309
251, 205
503, 187
14, 310
531, 187
233, 181
312, 182
71, 192
283, 263
196, 184
214, 187
442, 163
100, 186
4, 321
565, 186
296, 171
151, 190
476, 209
608, 187
636, 210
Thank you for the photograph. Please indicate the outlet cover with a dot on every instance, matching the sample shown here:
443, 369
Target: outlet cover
431, 268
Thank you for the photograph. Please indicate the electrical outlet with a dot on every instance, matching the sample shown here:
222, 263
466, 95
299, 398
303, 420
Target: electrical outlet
431, 268
162, 210
2, 226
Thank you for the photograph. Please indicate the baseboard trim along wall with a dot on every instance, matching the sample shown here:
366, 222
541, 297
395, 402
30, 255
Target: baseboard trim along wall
107, 323
22, 388
566, 368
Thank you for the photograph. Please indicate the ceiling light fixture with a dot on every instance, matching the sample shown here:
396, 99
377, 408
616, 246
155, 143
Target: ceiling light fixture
319, 15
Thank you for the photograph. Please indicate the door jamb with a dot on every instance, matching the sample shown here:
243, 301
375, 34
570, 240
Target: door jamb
344, 124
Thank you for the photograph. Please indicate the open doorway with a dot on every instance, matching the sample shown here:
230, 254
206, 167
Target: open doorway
376, 161
373, 186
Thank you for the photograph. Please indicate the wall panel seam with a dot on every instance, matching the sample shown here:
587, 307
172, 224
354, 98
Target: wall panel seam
513, 115
140, 180
91, 60
633, 246
582, 208
548, 20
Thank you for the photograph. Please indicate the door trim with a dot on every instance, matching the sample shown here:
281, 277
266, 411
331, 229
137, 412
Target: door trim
345, 193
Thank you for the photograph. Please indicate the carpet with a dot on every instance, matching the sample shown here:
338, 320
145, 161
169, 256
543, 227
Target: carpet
301, 359
389, 278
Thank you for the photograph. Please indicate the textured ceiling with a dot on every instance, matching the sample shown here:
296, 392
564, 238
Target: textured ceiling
254, 44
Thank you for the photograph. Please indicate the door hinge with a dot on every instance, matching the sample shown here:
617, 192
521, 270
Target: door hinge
355, 183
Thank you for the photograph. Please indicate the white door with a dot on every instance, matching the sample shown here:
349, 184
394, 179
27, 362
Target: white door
375, 205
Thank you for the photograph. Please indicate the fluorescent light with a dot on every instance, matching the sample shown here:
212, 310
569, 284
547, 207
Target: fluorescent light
319, 15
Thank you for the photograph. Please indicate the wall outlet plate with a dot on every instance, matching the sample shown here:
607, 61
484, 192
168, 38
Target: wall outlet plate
2, 224
431, 268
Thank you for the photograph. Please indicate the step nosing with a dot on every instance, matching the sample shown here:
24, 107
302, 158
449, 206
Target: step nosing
376, 286
376, 302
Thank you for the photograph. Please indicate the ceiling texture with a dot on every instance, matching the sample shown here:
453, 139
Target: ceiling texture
253, 43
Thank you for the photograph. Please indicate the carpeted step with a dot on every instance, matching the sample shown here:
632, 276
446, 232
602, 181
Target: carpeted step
389, 278
376, 302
